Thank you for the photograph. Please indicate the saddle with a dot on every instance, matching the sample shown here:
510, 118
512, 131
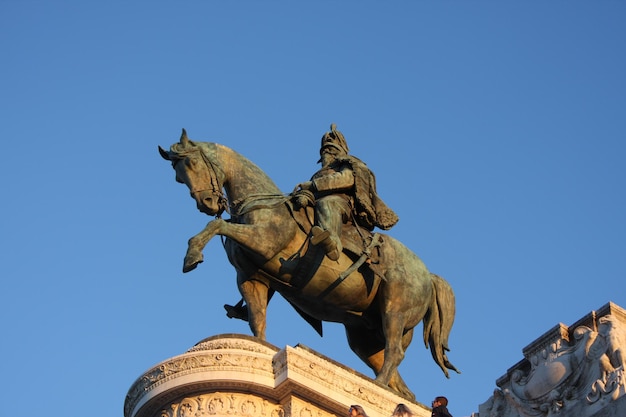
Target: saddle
359, 243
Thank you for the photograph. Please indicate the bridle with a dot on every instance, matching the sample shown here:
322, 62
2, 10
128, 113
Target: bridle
215, 188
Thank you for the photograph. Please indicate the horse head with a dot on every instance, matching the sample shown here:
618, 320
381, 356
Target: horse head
196, 170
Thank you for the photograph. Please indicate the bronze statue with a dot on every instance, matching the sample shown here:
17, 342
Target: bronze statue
376, 287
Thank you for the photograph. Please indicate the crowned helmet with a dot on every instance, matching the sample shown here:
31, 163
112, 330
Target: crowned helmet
334, 139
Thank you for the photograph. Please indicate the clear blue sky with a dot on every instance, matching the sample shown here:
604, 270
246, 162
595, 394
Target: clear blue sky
497, 131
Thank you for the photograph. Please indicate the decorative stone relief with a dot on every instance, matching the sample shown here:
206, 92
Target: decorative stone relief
300, 408
237, 342
222, 404
575, 371
316, 369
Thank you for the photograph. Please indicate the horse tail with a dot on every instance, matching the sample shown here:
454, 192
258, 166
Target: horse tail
438, 323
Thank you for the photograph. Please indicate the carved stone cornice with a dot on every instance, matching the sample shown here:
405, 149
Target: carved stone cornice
315, 376
233, 374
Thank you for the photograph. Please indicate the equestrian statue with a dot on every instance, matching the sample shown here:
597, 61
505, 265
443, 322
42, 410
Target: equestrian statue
318, 247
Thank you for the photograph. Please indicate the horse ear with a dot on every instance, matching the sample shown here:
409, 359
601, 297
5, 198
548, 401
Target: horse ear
165, 154
184, 140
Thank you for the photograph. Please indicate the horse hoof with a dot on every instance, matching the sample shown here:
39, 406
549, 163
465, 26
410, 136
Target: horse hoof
191, 262
381, 384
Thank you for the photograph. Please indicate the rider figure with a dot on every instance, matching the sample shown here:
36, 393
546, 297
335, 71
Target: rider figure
344, 190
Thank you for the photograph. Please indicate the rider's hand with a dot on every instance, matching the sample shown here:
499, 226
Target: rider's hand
306, 186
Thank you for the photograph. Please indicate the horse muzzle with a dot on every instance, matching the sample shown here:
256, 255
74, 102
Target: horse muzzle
208, 202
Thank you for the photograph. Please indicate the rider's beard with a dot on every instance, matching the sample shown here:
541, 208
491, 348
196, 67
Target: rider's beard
328, 158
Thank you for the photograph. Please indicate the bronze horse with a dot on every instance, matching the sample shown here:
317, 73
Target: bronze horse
267, 241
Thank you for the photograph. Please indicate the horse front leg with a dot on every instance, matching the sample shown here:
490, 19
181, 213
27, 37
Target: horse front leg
196, 244
264, 239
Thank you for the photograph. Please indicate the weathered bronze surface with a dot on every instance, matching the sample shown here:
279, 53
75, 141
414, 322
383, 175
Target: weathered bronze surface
375, 286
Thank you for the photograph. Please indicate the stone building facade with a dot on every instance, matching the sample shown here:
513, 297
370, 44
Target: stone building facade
570, 371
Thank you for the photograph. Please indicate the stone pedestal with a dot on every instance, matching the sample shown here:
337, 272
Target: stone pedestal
570, 371
237, 375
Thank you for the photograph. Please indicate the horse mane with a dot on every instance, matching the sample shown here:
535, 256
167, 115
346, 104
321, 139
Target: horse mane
182, 150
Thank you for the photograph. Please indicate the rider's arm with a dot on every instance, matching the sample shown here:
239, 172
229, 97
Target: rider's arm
337, 181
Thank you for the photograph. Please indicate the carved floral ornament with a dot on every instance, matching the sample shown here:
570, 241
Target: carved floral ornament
223, 404
239, 404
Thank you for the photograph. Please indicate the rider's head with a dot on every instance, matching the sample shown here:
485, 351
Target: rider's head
334, 143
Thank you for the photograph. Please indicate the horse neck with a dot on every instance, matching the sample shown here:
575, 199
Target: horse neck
241, 177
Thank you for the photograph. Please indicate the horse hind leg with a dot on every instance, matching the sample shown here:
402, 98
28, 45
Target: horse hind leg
397, 329
256, 295
393, 354
395, 382
370, 349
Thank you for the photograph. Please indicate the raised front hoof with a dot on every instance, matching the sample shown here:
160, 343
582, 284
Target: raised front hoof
192, 260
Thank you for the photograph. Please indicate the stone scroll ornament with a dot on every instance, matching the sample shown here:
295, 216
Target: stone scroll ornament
578, 378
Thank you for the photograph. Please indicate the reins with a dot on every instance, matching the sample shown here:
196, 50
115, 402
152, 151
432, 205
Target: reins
245, 204
215, 183
216, 187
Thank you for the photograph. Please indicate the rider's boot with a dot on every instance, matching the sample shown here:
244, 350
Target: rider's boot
329, 242
238, 311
